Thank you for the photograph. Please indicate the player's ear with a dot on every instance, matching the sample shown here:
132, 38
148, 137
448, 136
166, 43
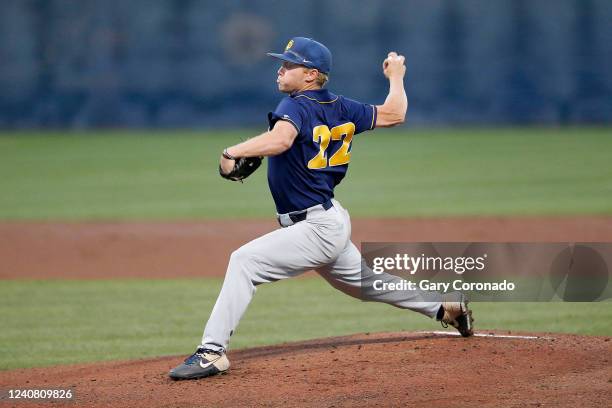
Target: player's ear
312, 74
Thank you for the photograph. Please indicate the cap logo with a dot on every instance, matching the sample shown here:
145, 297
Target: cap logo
289, 45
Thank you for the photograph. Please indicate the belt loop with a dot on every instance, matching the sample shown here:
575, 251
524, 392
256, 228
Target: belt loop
284, 220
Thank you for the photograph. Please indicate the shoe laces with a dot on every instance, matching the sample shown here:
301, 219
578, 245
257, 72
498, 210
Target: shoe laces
200, 352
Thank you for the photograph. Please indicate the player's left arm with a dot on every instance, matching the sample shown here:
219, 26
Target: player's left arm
393, 111
270, 143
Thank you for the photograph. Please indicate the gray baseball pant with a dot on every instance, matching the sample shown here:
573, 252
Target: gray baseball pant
321, 242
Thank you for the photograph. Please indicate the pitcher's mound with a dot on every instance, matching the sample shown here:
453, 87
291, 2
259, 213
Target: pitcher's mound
432, 369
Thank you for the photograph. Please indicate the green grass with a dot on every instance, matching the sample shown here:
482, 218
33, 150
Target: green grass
173, 175
61, 322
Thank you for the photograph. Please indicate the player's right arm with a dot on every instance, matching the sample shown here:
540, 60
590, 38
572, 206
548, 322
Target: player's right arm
393, 111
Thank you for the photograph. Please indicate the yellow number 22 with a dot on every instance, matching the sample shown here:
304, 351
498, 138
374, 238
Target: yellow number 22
321, 134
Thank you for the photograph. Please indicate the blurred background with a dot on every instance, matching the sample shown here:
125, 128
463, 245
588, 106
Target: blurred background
201, 63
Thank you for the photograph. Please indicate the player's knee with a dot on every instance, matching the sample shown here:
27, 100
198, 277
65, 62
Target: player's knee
241, 260
243, 266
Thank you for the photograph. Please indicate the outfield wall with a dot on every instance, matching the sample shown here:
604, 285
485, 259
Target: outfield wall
179, 63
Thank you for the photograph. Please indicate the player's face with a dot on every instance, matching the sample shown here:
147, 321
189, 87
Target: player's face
291, 77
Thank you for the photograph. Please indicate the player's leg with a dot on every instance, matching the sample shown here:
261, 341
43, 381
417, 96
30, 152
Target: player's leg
281, 254
351, 275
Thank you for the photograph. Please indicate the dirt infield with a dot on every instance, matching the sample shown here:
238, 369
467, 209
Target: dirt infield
388, 369
197, 249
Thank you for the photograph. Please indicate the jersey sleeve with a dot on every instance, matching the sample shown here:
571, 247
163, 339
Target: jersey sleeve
288, 109
361, 114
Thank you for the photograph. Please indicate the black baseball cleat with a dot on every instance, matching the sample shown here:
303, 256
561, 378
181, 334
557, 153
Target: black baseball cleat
457, 314
203, 363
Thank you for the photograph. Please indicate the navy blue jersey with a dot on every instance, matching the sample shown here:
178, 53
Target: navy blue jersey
306, 174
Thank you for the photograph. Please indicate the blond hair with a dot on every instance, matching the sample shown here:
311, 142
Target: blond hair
322, 79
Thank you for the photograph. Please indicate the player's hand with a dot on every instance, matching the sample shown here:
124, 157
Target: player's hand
393, 66
227, 165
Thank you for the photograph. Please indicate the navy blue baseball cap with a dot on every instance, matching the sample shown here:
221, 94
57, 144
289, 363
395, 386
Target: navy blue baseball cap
306, 52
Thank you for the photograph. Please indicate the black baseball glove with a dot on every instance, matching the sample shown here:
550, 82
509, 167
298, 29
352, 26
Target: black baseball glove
243, 167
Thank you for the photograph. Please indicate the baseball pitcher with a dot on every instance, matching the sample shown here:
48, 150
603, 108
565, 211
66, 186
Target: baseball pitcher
308, 146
